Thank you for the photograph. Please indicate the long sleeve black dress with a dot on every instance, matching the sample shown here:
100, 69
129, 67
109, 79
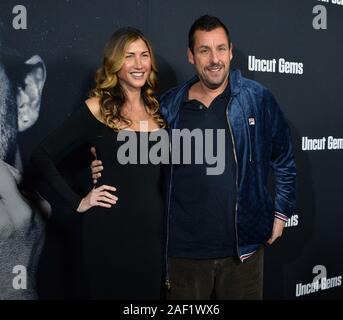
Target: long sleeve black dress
122, 246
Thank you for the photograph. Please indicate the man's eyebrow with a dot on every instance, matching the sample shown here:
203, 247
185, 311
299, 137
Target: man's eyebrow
203, 47
219, 45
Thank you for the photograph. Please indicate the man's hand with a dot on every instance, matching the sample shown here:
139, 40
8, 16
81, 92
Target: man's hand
96, 167
277, 230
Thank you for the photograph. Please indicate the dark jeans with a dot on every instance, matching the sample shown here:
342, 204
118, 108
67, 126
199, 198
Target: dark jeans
224, 279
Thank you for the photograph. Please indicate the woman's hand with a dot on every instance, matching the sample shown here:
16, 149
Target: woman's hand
98, 197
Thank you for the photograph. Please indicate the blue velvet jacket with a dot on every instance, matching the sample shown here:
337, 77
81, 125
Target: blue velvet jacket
261, 140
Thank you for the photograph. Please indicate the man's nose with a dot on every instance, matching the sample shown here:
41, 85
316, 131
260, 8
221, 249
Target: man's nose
214, 57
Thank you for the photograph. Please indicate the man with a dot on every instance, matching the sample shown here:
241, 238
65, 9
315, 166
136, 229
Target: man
218, 225
21, 223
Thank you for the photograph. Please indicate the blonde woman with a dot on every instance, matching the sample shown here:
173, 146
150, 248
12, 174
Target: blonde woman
123, 213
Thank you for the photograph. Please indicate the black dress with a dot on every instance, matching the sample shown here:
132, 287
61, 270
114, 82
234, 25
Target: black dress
122, 246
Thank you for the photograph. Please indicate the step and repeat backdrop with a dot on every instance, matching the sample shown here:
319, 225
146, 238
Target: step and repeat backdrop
49, 51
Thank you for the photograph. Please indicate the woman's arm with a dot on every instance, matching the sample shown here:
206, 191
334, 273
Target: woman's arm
74, 132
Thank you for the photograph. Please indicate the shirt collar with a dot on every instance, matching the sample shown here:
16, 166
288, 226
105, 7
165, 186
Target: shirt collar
224, 94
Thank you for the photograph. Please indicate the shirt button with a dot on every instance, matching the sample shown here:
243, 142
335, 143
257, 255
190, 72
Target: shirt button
201, 106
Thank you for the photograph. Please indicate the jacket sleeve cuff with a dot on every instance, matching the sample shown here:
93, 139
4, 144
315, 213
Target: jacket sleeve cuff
281, 216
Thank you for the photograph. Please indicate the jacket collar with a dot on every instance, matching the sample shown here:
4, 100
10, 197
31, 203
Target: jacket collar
176, 100
235, 81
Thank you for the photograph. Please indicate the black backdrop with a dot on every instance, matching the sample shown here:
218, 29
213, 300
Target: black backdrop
70, 34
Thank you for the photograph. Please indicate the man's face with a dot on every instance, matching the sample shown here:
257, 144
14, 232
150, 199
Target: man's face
212, 56
8, 119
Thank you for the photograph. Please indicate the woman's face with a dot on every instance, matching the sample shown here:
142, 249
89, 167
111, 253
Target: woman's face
137, 66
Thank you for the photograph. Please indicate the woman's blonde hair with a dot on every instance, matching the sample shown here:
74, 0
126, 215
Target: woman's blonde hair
108, 88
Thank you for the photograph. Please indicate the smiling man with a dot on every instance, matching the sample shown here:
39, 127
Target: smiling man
218, 225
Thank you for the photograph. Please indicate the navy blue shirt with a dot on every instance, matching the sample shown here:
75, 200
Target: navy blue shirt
202, 217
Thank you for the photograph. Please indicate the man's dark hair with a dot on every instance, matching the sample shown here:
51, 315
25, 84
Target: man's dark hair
205, 23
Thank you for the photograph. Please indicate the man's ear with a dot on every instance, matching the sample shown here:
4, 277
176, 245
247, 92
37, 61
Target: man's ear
231, 51
29, 97
190, 56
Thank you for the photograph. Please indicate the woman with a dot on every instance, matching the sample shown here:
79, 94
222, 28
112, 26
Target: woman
122, 235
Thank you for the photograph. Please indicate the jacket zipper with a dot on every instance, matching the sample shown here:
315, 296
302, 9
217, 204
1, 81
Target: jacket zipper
235, 156
167, 281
